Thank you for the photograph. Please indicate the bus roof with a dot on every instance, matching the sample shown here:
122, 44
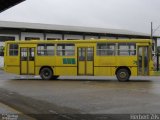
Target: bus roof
83, 41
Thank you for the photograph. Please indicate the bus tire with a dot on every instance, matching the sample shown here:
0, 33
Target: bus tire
123, 75
46, 73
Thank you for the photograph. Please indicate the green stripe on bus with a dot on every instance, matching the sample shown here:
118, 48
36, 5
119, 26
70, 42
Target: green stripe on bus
69, 61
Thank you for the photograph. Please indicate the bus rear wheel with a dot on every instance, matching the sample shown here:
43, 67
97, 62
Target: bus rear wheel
123, 75
46, 73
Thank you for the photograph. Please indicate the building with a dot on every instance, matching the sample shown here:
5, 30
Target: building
6, 4
26, 31
37, 31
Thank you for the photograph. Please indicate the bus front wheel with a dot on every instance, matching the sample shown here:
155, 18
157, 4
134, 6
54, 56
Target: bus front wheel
123, 75
46, 73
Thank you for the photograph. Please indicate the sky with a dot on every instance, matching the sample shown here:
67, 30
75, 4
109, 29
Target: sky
135, 15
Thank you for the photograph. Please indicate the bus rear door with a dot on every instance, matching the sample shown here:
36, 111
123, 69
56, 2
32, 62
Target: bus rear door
27, 61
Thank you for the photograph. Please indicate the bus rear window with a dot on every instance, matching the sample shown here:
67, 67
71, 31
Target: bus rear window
13, 49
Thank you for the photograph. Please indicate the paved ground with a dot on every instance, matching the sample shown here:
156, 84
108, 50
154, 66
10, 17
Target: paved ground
8, 113
80, 95
5, 109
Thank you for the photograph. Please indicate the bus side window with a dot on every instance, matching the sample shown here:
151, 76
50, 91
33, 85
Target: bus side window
40, 49
65, 49
13, 49
125, 49
132, 49
50, 49
105, 49
45, 49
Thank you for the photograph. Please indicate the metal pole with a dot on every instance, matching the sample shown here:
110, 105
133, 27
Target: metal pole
151, 30
152, 36
157, 61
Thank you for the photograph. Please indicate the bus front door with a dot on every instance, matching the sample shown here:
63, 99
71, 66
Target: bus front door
27, 61
143, 61
85, 61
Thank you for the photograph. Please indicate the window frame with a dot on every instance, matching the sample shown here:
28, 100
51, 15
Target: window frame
63, 50
15, 50
45, 50
105, 50
129, 50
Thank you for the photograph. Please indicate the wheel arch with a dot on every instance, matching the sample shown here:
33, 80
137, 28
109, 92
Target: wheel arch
123, 67
45, 67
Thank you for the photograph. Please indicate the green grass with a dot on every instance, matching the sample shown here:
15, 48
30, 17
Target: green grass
157, 73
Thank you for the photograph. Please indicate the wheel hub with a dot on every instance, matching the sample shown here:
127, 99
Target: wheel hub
123, 75
46, 73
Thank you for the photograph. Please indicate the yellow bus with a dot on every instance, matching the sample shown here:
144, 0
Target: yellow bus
102, 57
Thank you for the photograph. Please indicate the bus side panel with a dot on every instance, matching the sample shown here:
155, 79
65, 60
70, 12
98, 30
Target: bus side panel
66, 65
42, 61
37, 70
104, 71
105, 61
13, 69
107, 65
66, 71
126, 61
12, 64
104, 65
133, 71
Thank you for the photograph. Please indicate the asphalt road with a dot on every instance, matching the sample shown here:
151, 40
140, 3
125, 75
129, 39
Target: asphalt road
71, 97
